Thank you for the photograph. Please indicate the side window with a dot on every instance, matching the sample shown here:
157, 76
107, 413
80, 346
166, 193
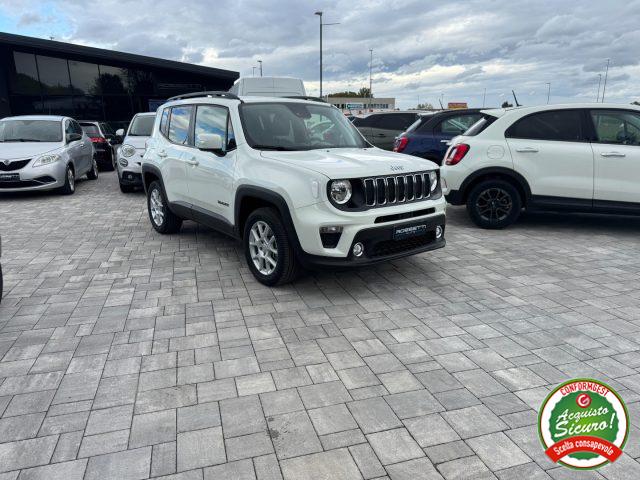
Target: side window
179, 124
559, 125
457, 124
393, 122
211, 119
68, 127
76, 127
621, 127
367, 121
164, 122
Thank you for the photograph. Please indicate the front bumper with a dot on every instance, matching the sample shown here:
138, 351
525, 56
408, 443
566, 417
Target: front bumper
132, 173
47, 177
380, 245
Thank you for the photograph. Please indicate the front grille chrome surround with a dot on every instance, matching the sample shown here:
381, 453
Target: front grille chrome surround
396, 189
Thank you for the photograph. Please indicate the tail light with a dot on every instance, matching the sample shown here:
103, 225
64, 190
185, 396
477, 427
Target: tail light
456, 154
98, 139
401, 144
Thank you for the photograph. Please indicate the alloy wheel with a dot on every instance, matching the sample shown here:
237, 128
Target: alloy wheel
494, 204
263, 247
157, 207
72, 179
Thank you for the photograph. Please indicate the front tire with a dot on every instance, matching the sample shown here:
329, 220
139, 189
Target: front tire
162, 218
268, 249
93, 173
494, 204
69, 186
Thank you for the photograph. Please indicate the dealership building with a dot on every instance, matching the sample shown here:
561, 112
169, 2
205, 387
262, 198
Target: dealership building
362, 105
48, 77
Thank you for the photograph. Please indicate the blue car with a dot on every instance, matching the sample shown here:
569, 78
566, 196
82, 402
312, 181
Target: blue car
429, 136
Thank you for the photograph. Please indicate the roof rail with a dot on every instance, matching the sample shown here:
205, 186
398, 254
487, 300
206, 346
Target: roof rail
305, 97
212, 93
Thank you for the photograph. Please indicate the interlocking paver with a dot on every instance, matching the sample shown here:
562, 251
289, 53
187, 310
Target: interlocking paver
161, 356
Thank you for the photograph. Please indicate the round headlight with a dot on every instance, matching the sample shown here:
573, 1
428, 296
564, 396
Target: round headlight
340, 191
127, 150
433, 179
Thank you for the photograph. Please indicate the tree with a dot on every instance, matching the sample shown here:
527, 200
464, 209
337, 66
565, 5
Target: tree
506, 104
635, 102
364, 92
424, 106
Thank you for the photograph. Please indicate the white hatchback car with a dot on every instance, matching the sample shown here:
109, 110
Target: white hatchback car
129, 154
576, 157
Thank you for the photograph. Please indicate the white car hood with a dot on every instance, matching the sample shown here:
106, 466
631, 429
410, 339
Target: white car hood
20, 150
338, 163
136, 141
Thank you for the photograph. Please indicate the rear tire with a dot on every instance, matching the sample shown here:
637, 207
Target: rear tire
69, 186
162, 218
494, 204
93, 173
268, 250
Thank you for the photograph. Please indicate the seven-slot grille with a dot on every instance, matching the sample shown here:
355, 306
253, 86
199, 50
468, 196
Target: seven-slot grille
396, 189
15, 165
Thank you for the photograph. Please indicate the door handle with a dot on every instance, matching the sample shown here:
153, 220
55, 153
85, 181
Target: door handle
612, 154
379, 135
162, 154
448, 142
193, 161
527, 150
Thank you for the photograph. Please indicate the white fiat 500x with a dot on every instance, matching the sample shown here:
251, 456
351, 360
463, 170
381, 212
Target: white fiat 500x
293, 179
575, 157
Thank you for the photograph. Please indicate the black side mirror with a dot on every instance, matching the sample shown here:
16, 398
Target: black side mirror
73, 137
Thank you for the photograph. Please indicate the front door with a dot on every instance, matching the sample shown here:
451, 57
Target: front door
171, 150
617, 156
386, 127
210, 173
551, 150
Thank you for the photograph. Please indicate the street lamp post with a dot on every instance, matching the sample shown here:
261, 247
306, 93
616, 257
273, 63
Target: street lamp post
319, 13
606, 74
548, 92
370, 77
599, 82
260, 62
253, 71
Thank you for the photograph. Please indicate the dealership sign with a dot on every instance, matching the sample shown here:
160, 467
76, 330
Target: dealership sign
583, 424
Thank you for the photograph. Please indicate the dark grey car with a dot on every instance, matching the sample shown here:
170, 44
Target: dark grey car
382, 128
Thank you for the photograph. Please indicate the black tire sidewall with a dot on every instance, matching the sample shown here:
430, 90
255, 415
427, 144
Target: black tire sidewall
66, 189
509, 188
273, 220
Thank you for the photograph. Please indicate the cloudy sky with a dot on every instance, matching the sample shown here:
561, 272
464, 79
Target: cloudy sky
423, 50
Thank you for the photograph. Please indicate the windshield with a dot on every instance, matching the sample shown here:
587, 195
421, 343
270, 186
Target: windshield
142, 126
91, 130
30, 131
297, 126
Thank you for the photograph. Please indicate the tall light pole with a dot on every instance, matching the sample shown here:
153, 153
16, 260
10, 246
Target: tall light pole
606, 74
319, 13
260, 62
253, 71
548, 92
599, 82
484, 96
370, 77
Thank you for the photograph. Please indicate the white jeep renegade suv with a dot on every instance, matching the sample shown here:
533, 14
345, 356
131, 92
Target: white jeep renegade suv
291, 178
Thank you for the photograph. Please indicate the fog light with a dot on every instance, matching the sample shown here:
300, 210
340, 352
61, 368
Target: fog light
358, 250
123, 162
439, 231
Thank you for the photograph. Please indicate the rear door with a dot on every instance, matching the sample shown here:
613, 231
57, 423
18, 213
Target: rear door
386, 127
449, 127
171, 150
551, 150
616, 149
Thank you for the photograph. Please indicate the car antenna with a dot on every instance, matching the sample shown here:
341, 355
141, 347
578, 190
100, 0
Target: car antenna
515, 98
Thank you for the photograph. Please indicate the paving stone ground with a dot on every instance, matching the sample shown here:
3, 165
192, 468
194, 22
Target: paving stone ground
125, 354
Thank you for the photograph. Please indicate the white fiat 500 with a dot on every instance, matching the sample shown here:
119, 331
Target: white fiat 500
44, 152
293, 179
132, 150
575, 157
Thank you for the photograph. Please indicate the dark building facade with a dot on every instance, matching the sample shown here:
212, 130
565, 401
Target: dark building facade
47, 77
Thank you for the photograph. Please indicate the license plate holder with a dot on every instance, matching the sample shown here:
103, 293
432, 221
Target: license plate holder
9, 177
402, 232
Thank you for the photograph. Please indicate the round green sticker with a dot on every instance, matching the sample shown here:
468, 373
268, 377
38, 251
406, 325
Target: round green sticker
583, 424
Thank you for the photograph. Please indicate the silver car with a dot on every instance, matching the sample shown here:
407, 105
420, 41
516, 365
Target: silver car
130, 153
44, 152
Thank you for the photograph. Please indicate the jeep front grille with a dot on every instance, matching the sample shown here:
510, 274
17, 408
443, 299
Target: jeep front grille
396, 189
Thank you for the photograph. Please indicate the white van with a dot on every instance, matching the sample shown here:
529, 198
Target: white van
269, 87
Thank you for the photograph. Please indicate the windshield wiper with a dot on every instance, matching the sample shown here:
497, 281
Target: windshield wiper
273, 147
